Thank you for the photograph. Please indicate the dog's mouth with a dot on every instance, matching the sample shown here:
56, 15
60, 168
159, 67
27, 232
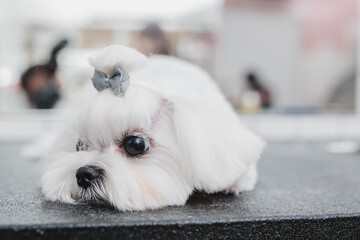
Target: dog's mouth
95, 194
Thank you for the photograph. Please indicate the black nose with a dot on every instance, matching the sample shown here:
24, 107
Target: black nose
85, 176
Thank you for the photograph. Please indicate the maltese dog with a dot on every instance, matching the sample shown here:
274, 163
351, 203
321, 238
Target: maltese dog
158, 130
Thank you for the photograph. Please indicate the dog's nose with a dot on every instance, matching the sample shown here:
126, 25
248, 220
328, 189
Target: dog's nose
86, 175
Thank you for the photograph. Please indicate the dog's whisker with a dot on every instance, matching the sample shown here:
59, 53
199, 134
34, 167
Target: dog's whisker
96, 193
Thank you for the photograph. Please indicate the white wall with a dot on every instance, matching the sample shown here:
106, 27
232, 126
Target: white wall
266, 42
269, 41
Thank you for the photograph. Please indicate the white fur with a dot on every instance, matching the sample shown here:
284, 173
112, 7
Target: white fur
197, 141
129, 58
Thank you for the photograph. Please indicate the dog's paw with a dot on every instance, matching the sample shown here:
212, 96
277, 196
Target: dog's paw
246, 182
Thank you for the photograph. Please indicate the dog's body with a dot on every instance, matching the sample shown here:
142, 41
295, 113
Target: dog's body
195, 140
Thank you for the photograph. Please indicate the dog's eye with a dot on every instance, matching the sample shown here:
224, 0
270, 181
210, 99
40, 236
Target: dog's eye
81, 146
135, 145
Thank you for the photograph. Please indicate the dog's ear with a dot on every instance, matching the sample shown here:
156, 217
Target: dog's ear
219, 149
129, 58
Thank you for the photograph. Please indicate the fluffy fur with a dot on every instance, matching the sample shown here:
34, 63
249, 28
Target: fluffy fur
196, 139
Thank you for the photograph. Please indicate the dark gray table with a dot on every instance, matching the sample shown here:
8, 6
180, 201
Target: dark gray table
303, 192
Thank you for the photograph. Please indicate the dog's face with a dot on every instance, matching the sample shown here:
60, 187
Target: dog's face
152, 146
121, 152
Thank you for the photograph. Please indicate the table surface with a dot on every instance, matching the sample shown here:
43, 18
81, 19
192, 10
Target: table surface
296, 181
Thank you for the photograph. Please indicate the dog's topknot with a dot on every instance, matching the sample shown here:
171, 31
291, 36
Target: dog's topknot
129, 58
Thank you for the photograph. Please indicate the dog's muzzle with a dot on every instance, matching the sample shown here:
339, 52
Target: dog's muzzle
87, 175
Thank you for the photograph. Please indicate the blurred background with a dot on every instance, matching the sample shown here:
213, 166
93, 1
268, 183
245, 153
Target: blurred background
289, 67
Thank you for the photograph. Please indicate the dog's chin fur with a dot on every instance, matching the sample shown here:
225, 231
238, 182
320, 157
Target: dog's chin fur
196, 139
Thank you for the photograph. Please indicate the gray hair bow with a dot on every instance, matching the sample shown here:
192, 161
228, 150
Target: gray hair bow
118, 81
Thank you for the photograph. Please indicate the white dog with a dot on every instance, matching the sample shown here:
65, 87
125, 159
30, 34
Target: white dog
152, 144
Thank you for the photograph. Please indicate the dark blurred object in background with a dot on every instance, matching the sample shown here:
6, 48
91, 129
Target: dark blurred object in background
52, 64
40, 82
254, 96
152, 40
254, 84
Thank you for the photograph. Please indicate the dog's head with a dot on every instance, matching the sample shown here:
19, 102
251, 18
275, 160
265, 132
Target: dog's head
143, 150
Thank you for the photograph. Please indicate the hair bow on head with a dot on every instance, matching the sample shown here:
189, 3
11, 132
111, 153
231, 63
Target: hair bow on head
118, 81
